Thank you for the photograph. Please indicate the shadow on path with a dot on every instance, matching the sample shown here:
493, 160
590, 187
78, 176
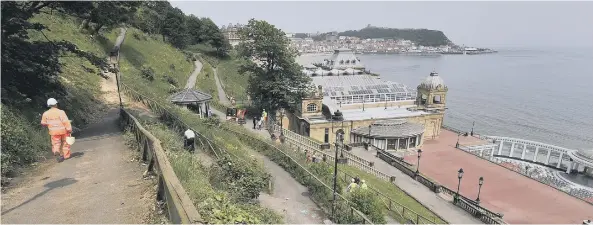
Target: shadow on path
49, 186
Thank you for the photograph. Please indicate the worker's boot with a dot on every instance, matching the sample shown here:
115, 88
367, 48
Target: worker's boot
60, 159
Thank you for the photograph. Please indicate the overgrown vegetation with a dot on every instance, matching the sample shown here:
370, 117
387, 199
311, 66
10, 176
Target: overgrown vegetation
216, 205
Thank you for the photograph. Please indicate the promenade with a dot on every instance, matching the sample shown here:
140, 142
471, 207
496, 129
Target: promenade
522, 200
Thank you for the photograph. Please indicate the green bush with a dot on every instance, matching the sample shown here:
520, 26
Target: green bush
367, 202
147, 73
22, 143
242, 182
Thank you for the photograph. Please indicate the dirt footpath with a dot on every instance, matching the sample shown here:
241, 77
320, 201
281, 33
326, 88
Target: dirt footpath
99, 184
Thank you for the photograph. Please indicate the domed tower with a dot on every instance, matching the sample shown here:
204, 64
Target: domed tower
432, 93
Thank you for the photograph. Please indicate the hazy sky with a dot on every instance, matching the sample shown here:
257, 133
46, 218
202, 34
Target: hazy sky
486, 24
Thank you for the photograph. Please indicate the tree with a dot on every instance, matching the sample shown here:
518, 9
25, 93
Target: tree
174, 28
276, 79
194, 29
110, 13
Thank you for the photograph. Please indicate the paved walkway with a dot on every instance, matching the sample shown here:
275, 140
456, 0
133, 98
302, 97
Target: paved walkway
191, 81
99, 184
522, 200
289, 198
432, 201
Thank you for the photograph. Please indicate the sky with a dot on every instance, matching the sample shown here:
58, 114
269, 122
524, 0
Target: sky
480, 24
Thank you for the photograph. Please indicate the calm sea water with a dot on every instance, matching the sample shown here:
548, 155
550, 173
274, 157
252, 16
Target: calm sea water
540, 95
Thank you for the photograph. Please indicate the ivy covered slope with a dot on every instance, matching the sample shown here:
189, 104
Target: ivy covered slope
63, 62
423, 37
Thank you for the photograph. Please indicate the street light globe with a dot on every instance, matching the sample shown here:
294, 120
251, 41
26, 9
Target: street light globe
460, 173
419, 152
481, 181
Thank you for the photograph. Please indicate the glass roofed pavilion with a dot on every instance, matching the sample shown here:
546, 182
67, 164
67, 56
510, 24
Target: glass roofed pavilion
362, 99
349, 90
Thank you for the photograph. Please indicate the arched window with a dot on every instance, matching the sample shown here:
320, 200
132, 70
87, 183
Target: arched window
347, 61
311, 107
437, 99
341, 62
423, 99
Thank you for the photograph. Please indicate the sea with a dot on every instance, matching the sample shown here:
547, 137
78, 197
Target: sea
543, 95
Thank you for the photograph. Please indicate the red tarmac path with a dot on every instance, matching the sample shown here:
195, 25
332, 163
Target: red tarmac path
521, 199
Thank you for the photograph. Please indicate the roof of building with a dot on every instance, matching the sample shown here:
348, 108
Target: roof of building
433, 81
334, 86
391, 128
392, 112
190, 96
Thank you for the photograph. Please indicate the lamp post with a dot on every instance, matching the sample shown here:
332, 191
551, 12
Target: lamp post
281, 120
338, 139
457, 144
473, 124
418, 164
459, 176
480, 182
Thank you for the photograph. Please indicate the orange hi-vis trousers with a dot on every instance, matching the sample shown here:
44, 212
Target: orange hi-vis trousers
59, 145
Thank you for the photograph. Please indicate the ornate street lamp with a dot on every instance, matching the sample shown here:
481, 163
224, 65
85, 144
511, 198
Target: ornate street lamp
418, 164
459, 176
457, 144
480, 182
339, 138
473, 124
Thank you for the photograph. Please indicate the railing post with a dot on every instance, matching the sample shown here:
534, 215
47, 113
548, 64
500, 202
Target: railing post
145, 150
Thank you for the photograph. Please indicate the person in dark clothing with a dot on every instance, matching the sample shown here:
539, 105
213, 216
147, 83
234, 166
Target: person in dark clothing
254, 121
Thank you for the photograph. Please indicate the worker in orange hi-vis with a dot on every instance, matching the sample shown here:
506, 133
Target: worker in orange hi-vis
59, 128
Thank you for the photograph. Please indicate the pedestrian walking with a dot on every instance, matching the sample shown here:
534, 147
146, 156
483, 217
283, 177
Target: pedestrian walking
351, 186
259, 123
264, 116
209, 112
363, 185
254, 121
59, 128
189, 140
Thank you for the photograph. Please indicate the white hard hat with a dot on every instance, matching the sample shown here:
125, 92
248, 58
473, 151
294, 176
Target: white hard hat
51, 101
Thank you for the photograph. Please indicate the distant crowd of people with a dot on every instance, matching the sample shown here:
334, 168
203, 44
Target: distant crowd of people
547, 176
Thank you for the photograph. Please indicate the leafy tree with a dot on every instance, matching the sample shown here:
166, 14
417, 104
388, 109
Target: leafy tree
194, 29
174, 28
110, 13
31, 69
276, 78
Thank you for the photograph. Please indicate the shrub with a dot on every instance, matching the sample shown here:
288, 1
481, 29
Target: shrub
147, 73
368, 203
243, 183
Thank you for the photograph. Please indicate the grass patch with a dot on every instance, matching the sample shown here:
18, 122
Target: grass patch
393, 192
233, 82
140, 51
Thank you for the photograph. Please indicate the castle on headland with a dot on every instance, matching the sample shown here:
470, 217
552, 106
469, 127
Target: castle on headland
350, 101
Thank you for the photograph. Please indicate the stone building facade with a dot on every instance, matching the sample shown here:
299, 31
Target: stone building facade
230, 32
